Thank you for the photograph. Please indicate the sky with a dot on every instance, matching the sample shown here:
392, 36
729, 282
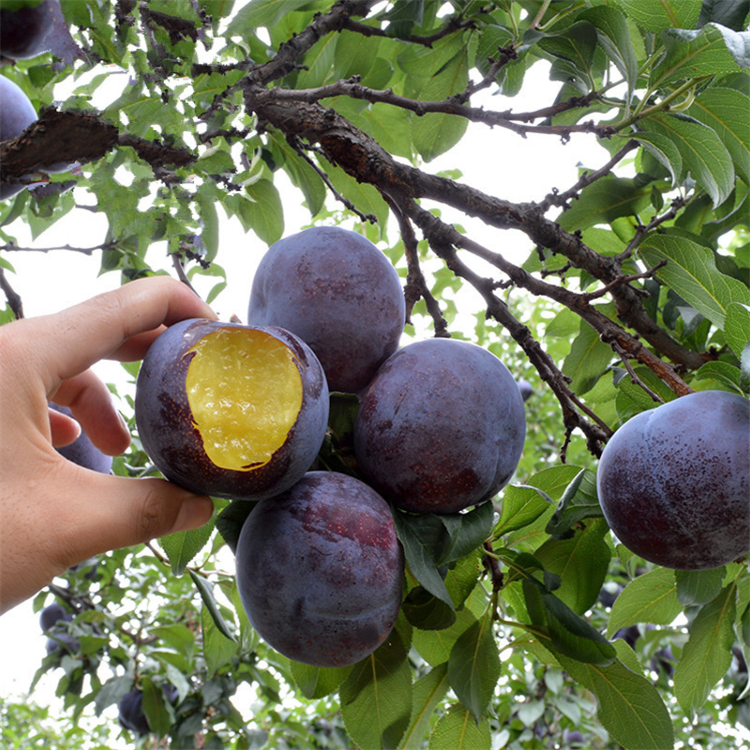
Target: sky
496, 161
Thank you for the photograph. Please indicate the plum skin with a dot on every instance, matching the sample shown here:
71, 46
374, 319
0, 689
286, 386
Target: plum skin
23, 31
674, 481
165, 423
16, 114
320, 570
82, 451
339, 293
441, 427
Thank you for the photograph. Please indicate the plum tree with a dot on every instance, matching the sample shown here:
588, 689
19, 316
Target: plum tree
16, 114
674, 482
82, 451
339, 293
441, 427
24, 25
230, 410
320, 570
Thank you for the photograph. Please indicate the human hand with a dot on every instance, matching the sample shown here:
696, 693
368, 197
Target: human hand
53, 513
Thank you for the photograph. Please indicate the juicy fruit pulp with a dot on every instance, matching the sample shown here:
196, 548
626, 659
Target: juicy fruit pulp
674, 481
229, 410
245, 393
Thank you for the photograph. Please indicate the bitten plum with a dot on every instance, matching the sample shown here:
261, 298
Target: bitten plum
441, 427
82, 451
338, 292
674, 481
16, 114
230, 410
24, 25
320, 570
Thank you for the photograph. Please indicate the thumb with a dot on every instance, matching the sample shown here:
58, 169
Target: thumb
131, 511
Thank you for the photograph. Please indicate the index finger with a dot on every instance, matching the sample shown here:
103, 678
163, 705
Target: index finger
74, 339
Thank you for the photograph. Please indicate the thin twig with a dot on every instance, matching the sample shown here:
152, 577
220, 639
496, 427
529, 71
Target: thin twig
14, 299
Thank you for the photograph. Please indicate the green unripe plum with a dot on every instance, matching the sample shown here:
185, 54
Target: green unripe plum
674, 481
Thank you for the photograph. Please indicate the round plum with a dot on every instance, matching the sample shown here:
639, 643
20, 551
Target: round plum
320, 570
24, 25
339, 293
674, 481
16, 114
441, 427
229, 410
82, 451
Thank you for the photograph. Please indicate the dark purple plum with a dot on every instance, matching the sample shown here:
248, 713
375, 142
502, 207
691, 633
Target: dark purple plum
82, 451
674, 481
16, 114
229, 410
339, 293
24, 25
52, 614
320, 570
573, 738
131, 713
441, 427
526, 389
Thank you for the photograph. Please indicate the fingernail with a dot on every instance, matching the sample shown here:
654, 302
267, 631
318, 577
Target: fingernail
194, 512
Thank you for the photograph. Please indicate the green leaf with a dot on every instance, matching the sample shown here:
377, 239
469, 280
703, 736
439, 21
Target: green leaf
205, 589
737, 327
698, 587
651, 597
218, 650
630, 708
317, 682
111, 692
521, 505
588, 359
183, 546
604, 201
458, 730
365, 198
376, 698
707, 654
419, 557
729, 13
664, 150
154, 706
435, 646
613, 35
466, 531
474, 666
581, 562
230, 521
575, 45
261, 13
727, 375
265, 213
712, 50
691, 271
657, 15
726, 112
579, 501
429, 691
703, 154
434, 134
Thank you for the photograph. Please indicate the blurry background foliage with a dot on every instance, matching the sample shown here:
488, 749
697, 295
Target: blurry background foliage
634, 288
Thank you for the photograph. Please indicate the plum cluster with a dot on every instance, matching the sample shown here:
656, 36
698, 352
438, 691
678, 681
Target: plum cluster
241, 411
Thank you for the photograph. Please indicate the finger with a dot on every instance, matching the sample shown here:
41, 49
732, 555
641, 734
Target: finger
127, 512
70, 341
91, 405
64, 430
